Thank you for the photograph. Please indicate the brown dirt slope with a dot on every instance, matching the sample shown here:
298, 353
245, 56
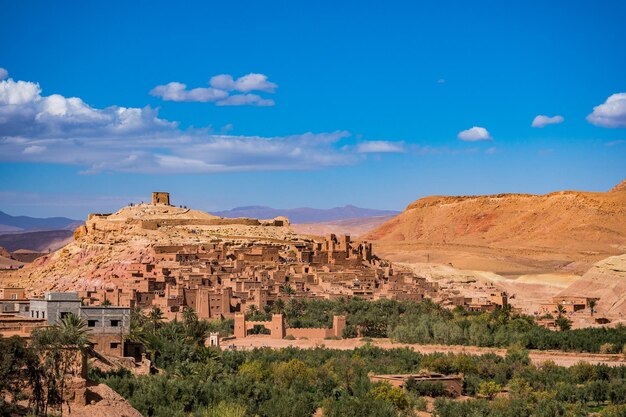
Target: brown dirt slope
605, 280
569, 221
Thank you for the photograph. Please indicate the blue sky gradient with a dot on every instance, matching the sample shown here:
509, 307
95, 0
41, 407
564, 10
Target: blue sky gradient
406, 76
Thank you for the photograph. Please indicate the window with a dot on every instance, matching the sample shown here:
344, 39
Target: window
64, 314
43, 314
115, 323
91, 323
13, 296
114, 345
37, 314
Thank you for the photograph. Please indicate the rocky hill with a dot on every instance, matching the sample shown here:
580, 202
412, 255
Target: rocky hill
564, 221
605, 280
619, 187
108, 243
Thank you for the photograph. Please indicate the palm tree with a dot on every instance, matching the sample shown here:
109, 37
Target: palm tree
279, 306
73, 330
592, 305
561, 310
287, 289
252, 311
155, 317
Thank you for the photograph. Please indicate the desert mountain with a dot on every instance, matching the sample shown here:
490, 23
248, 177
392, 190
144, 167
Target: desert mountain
572, 224
107, 244
10, 223
305, 214
37, 241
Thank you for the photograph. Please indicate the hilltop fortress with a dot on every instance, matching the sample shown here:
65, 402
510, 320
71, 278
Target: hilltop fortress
158, 255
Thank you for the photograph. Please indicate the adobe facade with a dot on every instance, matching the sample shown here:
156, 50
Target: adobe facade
160, 197
220, 278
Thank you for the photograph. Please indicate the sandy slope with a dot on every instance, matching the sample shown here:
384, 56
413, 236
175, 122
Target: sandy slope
607, 281
513, 234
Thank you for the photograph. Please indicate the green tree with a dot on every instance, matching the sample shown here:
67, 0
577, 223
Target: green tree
563, 323
155, 317
225, 409
393, 395
60, 348
592, 305
489, 389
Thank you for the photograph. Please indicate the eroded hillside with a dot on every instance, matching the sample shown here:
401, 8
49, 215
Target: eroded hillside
563, 227
108, 243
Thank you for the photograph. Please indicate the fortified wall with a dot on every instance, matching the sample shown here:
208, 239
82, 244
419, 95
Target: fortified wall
278, 329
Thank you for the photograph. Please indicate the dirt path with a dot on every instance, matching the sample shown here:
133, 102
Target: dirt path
537, 356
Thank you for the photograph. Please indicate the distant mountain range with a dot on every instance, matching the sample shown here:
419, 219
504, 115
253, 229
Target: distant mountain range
40, 241
305, 214
13, 224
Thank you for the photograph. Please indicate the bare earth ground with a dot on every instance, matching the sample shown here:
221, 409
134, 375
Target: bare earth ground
537, 356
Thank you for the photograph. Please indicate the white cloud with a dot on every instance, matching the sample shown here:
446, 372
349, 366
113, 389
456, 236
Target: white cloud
611, 113
19, 92
220, 91
34, 149
3, 74
250, 82
66, 130
245, 99
473, 134
178, 92
542, 121
380, 146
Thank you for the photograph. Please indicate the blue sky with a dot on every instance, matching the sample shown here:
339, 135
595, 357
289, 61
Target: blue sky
348, 103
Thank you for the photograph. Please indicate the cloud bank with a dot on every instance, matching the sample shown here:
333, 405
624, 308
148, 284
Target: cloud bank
542, 121
65, 130
224, 90
611, 113
474, 134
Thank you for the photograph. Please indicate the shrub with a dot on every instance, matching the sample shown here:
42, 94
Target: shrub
489, 389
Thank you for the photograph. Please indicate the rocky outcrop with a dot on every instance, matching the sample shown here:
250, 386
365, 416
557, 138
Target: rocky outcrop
621, 187
605, 280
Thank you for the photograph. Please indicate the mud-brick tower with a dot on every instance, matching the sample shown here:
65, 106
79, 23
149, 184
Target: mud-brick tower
161, 198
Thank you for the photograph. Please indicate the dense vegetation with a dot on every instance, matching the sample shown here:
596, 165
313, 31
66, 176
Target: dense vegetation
430, 323
37, 374
194, 380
